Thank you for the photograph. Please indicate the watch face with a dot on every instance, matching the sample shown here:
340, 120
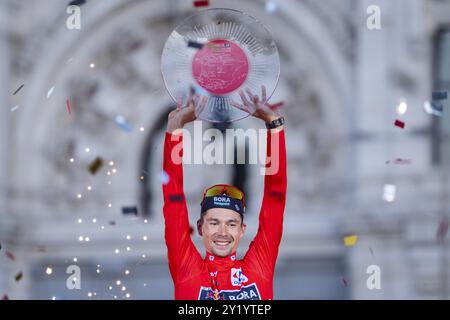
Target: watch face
219, 52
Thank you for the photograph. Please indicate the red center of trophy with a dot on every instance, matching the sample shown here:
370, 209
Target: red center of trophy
220, 67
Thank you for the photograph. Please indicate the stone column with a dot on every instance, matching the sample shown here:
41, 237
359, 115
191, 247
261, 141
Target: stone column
5, 13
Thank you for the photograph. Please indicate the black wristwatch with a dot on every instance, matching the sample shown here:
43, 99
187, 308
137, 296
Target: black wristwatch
275, 123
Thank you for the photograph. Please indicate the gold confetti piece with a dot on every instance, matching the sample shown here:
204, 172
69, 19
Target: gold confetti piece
350, 241
19, 276
95, 165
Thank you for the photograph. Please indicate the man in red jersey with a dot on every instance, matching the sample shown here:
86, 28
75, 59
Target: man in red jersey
220, 275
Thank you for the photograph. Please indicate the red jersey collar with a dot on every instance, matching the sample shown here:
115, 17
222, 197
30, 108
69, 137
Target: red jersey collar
221, 263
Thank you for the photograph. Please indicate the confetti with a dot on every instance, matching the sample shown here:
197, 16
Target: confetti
399, 124
18, 89
176, 198
143, 176
68, 106
191, 230
271, 6
201, 3
123, 124
112, 223
402, 107
10, 255
371, 251
439, 95
14, 108
437, 106
130, 210
442, 229
275, 106
164, 178
350, 241
18, 276
389, 192
96, 165
50, 92
198, 90
5, 297
434, 108
400, 161
77, 2
344, 282
193, 44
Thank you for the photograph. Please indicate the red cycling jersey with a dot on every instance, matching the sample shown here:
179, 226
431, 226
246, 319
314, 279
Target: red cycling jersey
250, 278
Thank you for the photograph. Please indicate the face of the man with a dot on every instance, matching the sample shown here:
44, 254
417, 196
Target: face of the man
221, 230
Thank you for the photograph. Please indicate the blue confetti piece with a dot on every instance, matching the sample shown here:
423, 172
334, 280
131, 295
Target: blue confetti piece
122, 123
271, 6
194, 44
176, 198
130, 210
77, 2
439, 95
200, 91
437, 106
164, 177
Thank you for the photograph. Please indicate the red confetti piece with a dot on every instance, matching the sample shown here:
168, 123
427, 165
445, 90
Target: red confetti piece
399, 124
10, 255
442, 229
402, 161
68, 106
275, 106
201, 3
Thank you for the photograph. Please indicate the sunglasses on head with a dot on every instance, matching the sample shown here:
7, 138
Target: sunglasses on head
220, 189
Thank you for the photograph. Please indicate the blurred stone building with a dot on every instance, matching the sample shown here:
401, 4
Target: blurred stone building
341, 83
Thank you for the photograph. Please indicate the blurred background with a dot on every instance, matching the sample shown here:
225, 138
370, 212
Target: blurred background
83, 119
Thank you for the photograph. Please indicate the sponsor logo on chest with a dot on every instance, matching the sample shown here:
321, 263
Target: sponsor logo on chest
249, 292
237, 277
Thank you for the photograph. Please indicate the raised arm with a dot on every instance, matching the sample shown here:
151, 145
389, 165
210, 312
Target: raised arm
180, 248
263, 250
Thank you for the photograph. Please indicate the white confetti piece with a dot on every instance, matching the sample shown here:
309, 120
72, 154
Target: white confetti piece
50, 92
